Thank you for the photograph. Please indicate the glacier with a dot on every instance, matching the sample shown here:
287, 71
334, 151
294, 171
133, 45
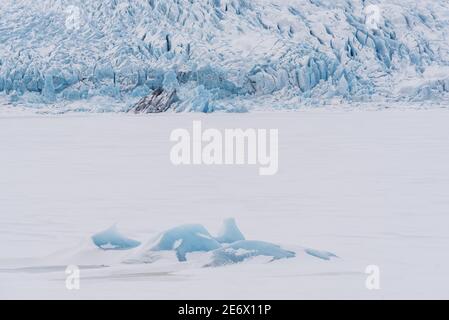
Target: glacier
222, 55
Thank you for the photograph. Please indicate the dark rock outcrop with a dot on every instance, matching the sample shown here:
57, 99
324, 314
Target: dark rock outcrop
159, 100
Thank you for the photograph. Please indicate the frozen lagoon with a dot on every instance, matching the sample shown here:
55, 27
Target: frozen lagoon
369, 186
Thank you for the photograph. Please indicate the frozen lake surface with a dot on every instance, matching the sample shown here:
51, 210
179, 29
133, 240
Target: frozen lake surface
370, 186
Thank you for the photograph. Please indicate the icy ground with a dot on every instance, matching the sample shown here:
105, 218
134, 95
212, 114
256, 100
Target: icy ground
371, 187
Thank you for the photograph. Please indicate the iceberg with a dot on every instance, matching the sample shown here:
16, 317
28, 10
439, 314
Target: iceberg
324, 255
158, 101
184, 239
242, 250
229, 232
226, 55
229, 247
111, 239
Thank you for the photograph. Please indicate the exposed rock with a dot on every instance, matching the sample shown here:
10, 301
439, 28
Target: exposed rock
159, 100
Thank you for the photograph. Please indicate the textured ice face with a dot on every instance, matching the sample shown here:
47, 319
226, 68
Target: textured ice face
185, 239
241, 250
111, 239
324, 255
222, 54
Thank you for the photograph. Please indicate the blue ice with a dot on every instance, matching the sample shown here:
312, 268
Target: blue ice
241, 250
229, 232
325, 255
111, 239
184, 239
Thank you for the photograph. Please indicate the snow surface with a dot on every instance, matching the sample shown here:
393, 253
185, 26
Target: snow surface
368, 186
232, 55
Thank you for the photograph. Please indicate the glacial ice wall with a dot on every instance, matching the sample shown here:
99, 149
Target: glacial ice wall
229, 55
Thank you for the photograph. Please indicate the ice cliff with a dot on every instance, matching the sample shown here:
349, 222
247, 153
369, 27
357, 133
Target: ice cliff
230, 55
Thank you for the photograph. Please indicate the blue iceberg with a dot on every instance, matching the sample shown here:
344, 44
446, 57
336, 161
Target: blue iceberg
227, 55
241, 250
111, 239
186, 238
229, 232
324, 255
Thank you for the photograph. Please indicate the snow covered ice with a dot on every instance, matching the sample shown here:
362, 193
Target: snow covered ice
320, 254
367, 186
185, 239
111, 239
244, 249
229, 232
228, 248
